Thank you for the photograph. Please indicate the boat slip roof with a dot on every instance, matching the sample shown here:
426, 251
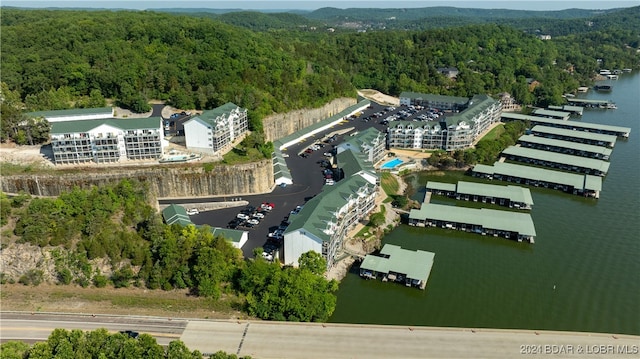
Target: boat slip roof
513, 193
487, 218
539, 140
414, 264
579, 125
575, 180
610, 139
552, 113
548, 156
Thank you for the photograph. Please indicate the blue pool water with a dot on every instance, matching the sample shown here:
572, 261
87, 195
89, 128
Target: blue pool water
392, 164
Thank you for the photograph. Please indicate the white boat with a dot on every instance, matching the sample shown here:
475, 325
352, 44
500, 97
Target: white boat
612, 77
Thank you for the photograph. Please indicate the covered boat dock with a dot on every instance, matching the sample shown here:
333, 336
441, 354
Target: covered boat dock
507, 224
510, 196
400, 265
577, 110
589, 138
579, 184
560, 115
570, 125
557, 160
566, 147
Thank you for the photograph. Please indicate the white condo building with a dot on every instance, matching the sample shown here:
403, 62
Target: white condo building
216, 129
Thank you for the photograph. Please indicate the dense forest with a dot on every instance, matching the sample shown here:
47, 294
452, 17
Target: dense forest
55, 59
116, 223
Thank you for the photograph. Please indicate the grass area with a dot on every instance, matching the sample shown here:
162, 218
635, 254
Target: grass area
73, 299
237, 156
494, 133
9, 169
389, 184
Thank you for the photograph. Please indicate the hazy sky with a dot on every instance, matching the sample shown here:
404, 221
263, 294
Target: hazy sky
312, 4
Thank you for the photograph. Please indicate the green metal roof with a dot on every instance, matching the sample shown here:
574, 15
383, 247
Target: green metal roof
477, 105
578, 125
539, 140
441, 186
487, 218
577, 181
548, 156
72, 112
298, 134
610, 139
413, 264
364, 140
121, 123
551, 113
211, 117
352, 162
415, 124
319, 211
513, 193
175, 214
434, 98
232, 235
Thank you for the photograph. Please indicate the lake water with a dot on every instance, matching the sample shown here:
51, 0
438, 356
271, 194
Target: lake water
582, 273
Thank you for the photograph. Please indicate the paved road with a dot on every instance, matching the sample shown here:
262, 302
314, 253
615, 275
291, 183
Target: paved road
283, 340
307, 178
37, 327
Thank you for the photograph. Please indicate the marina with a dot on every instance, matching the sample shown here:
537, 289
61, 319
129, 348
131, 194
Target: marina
484, 221
589, 138
556, 160
578, 184
591, 103
559, 115
411, 268
566, 147
509, 196
570, 125
576, 110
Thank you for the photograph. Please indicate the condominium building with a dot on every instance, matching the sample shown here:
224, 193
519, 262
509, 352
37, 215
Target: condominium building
324, 221
369, 142
106, 140
217, 129
451, 132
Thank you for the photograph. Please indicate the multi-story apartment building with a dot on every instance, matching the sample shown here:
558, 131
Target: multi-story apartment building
106, 140
370, 142
451, 132
216, 129
324, 221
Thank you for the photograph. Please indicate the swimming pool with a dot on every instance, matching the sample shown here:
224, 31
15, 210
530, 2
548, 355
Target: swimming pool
392, 164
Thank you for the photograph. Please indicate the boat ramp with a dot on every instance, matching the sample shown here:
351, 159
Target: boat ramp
556, 160
412, 268
570, 125
509, 196
578, 184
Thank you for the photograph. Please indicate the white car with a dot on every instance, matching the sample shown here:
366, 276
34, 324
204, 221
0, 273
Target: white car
192, 211
267, 256
253, 221
258, 215
285, 155
329, 182
242, 216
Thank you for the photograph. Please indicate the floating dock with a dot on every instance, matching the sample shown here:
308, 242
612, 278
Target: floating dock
570, 125
566, 147
556, 160
412, 268
591, 103
579, 184
510, 196
507, 224
589, 138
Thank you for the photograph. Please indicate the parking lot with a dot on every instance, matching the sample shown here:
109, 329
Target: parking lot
308, 175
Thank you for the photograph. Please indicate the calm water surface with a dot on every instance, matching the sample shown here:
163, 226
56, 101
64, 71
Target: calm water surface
589, 250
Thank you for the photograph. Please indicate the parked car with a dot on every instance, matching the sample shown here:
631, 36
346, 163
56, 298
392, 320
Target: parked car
253, 221
285, 155
258, 215
192, 211
242, 216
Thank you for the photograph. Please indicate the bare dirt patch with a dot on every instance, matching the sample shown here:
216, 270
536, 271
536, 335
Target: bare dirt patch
379, 97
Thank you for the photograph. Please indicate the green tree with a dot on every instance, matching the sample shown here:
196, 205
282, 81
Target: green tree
313, 262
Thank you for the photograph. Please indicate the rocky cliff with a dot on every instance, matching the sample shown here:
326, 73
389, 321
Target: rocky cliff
284, 124
187, 180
